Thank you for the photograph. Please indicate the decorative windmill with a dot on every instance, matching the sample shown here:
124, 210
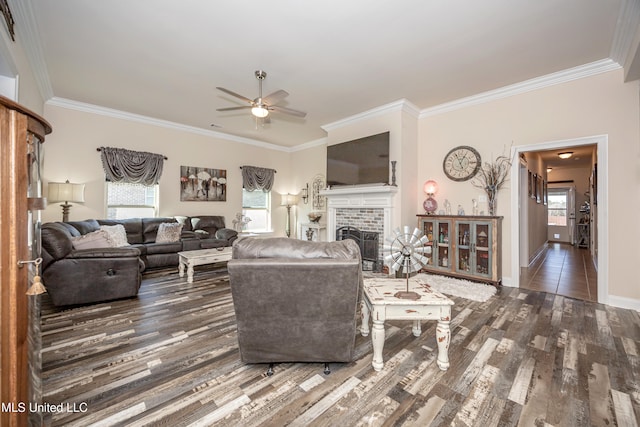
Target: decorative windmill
407, 250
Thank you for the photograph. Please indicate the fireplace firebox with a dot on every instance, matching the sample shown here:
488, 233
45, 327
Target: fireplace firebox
368, 243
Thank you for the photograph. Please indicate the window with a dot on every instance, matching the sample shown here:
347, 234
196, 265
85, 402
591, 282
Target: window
557, 213
125, 200
256, 205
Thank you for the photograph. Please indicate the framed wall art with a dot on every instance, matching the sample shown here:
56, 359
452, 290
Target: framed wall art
534, 186
539, 182
199, 184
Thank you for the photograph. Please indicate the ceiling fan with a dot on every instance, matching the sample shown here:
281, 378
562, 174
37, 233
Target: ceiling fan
260, 107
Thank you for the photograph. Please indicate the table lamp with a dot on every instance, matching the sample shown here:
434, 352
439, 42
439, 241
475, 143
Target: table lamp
66, 192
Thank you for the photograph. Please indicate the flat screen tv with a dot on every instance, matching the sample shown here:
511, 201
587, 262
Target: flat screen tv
359, 162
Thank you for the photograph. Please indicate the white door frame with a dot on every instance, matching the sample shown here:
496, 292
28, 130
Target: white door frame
523, 232
602, 144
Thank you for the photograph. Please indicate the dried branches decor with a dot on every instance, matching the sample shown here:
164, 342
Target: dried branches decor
491, 178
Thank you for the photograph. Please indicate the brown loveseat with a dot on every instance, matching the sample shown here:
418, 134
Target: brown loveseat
295, 300
79, 276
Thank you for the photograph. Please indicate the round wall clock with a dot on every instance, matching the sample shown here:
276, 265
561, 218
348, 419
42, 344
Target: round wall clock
461, 163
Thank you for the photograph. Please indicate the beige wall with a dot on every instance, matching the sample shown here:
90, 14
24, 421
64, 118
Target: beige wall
595, 105
305, 165
536, 212
70, 153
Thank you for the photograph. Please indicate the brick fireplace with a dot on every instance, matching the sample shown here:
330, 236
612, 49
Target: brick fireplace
367, 208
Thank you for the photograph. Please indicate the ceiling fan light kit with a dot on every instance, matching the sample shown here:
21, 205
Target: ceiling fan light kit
260, 107
259, 111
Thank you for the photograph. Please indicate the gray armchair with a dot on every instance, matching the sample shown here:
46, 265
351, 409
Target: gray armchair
295, 300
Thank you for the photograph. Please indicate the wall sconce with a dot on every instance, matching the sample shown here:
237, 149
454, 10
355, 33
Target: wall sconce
565, 155
430, 189
66, 192
305, 194
288, 200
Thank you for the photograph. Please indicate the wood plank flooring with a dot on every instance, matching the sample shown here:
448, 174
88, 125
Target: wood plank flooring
169, 357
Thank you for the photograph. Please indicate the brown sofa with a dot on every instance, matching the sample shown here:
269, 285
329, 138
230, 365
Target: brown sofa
80, 276
295, 300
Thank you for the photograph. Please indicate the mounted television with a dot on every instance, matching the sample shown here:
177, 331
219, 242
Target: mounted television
359, 162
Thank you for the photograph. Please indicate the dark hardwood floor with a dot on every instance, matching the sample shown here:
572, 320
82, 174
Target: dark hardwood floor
169, 357
562, 269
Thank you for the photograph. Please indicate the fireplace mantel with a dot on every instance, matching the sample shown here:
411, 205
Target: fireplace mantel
374, 197
378, 196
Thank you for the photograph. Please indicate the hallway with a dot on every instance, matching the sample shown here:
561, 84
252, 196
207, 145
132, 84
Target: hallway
564, 270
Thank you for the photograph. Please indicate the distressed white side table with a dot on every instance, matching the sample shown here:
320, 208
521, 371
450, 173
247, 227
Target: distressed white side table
380, 304
190, 259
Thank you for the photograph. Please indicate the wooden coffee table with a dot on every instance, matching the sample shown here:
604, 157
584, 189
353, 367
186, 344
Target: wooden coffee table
190, 259
380, 304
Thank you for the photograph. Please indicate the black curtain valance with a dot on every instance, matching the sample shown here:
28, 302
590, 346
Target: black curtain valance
256, 178
136, 167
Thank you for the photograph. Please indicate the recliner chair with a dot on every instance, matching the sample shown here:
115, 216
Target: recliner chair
295, 300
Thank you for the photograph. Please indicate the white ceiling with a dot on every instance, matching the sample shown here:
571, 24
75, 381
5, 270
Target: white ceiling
336, 58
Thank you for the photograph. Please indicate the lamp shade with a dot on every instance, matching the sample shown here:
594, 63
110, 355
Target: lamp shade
66, 192
289, 200
430, 187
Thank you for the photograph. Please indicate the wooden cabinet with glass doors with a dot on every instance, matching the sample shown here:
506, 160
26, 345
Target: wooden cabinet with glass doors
464, 246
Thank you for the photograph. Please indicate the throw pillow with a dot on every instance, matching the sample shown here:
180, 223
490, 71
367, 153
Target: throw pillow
169, 232
117, 234
94, 240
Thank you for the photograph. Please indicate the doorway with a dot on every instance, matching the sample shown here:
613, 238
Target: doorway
519, 197
561, 215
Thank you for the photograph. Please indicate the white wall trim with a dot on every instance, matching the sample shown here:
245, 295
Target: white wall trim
310, 144
123, 115
624, 302
400, 105
27, 30
564, 76
628, 22
602, 143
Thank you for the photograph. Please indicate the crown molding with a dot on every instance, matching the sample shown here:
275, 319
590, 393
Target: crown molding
123, 115
627, 25
402, 105
27, 32
563, 76
311, 144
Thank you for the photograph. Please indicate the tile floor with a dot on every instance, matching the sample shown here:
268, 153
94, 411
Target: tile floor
564, 270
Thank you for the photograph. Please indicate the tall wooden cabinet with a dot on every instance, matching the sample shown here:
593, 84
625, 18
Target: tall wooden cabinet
22, 133
464, 246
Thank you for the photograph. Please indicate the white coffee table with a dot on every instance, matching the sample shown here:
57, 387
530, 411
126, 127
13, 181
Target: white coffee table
380, 304
190, 259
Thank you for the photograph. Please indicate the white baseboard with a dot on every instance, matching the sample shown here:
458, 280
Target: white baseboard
506, 281
624, 302
614, 300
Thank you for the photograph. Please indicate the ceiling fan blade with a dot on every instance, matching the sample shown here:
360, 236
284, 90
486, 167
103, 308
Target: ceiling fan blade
287, 111
233, 108
227, 91
275, 97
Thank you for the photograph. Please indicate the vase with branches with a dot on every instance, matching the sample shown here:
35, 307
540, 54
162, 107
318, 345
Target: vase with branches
491, 178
